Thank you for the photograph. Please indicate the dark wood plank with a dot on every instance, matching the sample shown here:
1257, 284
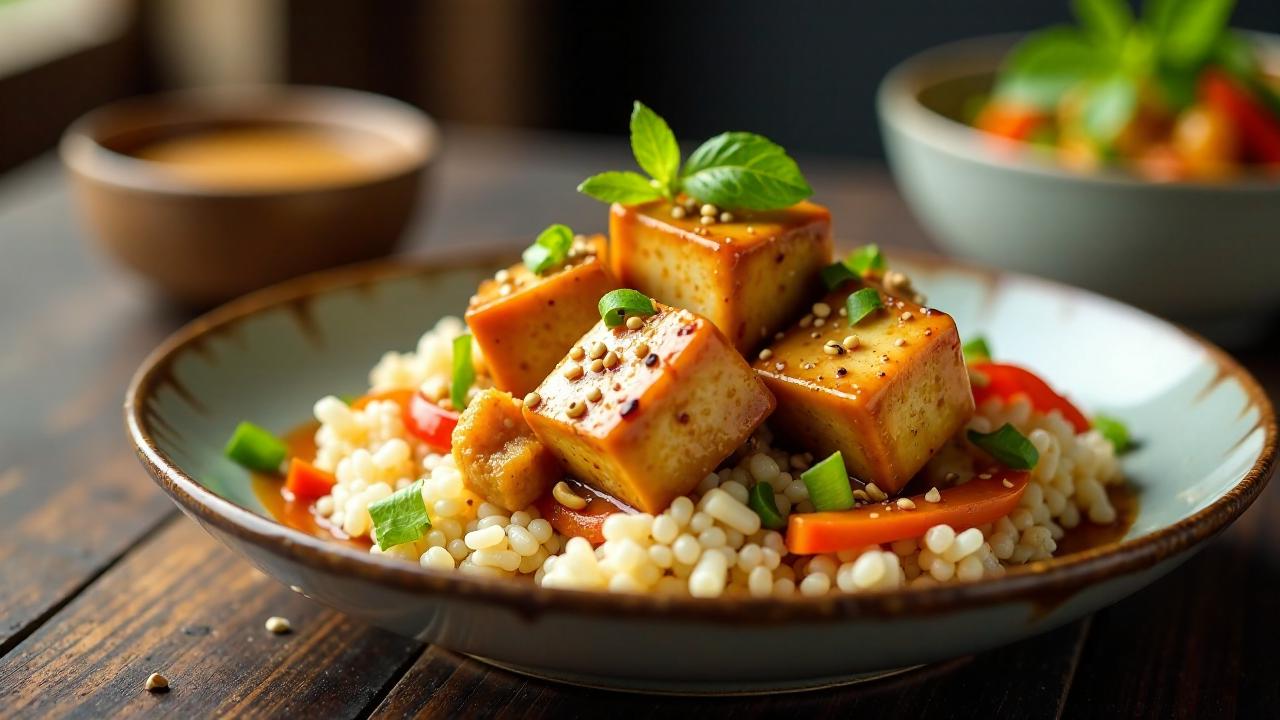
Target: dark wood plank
187, 607
1026, 680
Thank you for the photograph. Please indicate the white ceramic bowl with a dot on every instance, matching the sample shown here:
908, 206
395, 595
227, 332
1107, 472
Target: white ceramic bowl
1208, 440
1205, 254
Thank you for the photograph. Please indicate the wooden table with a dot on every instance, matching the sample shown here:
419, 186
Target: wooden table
103, 582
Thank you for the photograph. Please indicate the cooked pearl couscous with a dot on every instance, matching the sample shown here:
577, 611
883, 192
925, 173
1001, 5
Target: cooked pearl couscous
709, 543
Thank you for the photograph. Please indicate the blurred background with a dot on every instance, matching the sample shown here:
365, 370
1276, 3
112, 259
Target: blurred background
801, 73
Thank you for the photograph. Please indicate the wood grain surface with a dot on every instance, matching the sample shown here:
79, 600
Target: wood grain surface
102, 582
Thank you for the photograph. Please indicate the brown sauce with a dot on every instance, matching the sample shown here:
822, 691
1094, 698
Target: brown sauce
272, 155
280, 505
1087, 535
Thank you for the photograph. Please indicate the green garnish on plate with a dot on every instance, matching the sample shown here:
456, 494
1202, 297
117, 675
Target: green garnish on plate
400, 517
616, 306
1008, 446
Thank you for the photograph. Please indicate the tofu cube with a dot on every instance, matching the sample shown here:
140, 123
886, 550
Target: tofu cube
887, 404
500, 458
524, 329
668, 403
750, 276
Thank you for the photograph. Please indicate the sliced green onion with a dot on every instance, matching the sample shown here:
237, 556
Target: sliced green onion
464, 373
828, 484
861, 304
761, 501
400, 517
615, 307
256, 449
837, 274
976, 350
1008, 446
1116, 432
549, 250
865, 259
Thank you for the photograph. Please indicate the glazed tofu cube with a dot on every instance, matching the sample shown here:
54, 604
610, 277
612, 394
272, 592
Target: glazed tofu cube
888, 401
665, 404
750, 276
524, 322
500, 458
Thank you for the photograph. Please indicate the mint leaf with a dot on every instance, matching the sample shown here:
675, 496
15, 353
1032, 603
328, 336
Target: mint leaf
1186, 30
1109, 108
627, 188
1106, 21
1047, 64
400, 517
654, 146
744, 170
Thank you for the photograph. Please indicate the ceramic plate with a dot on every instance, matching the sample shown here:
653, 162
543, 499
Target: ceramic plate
1207, 442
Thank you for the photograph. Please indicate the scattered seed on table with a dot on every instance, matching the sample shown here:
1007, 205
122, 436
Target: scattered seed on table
157, 683
278, 625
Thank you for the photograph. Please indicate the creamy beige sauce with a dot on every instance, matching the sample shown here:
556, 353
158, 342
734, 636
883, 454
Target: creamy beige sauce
272, 156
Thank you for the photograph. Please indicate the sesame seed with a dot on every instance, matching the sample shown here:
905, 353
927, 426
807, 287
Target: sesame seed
806, 321
709, 210
634, 322
611, 359
933, 495
815, 334
765, 354
833, 348
928, 332
278, 625
677, 212
1007, 483
905, 504
841, 372
780, 366
597, 366
808, 366
873, 516
904, 317
156, 683
821, 309
505, 289
573, 371
843, 312
597, 350
984, 476
594, 395
532, 400
951, 477
899, 342
576, 409
726, 217
850, 342
641, 350
819, 322
502, 276
707, 220
577, 353
751, 230
875, 493
651, 359
861, 495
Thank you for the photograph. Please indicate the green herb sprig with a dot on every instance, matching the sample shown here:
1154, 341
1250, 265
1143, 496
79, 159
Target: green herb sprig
1008, 446
1111, 55
549, 250
733, 170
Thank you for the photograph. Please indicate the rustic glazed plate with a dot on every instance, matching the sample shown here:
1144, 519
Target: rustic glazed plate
1207, 443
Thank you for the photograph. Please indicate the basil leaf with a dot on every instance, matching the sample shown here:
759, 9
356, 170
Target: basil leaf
1109, 108
1047, 64
865, 259
628, 188
861, 304
654, 146
1114, 431
616, 306
549, 250
464, 373
400, 517
837, 274
1186, 30
1106, 21
976, 350
744, 170
1008, 446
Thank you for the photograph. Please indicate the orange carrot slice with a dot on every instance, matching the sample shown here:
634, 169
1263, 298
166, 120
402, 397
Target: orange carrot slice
977, 502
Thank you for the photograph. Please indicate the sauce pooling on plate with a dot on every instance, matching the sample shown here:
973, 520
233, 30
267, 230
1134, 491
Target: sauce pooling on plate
272, 156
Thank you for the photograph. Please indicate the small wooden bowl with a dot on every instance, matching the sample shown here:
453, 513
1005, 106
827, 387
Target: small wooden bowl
203, 242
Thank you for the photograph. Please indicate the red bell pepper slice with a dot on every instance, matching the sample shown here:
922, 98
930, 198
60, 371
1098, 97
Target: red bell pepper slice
306, 482
424, 419
1006, 381
1259, 128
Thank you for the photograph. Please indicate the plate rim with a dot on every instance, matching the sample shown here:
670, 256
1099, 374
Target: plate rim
1046, 583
